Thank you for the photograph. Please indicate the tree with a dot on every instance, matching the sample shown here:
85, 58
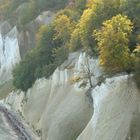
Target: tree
113, 40
104, 10
63, 27
7, 7
137, 66
28, 13
41, 61
30, 68
80, 5
46, 44
51, 4
84, 73
24, 73
132, 10
87, 71
60, 54
92, 18
82, 35
71, 13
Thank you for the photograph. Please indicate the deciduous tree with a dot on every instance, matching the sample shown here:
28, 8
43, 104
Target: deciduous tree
113, 40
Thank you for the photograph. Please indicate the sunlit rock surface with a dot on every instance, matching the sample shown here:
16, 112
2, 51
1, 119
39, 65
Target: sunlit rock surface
59, 108
12, 124
9, 54
116, 111
14, 100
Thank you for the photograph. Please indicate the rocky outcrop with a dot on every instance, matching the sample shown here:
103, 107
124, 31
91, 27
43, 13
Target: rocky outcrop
45, 17
20, 131
58, 107
9, 54
27, 36
64, 107
116, 111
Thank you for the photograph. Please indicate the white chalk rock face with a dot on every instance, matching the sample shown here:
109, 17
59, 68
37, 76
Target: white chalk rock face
116, 111
59, 108
9, 54
14, 101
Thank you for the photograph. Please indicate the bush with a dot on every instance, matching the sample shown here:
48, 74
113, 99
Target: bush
48, 70
24, 73
28, 13
30, 68
60, 54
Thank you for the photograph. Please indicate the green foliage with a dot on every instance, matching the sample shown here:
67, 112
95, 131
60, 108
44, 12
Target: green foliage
92, 18
7, 7
63, 27
60, 54
75, 41
48, 70
113, 40
41, 61
80, 5
30, 67
137, 73
45, 46
51, 4
28, 13
132, 10
24, 73
72, 29
137, 66
72, 14
82, 35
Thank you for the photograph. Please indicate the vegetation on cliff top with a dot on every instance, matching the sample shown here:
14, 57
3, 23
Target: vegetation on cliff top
106, 28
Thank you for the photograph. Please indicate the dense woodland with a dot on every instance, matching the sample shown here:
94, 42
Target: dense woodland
109, 29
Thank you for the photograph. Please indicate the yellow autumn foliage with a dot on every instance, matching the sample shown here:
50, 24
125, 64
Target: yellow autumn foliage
113, 40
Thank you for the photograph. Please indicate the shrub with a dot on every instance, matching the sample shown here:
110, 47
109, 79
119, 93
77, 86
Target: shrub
60, 54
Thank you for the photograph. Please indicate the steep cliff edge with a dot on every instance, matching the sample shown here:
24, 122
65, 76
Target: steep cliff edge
116, 111
58, 104
9, 54
14, 45
58, 108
